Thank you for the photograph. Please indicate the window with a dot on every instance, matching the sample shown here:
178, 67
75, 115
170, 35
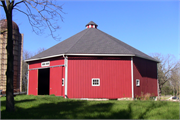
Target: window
137, 82
95, 82
47, 63
62, 81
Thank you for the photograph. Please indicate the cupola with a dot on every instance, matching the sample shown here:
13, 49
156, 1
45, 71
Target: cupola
91, 25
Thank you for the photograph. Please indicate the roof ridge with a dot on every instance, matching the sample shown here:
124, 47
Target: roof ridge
77, 40
117, 40
57, 45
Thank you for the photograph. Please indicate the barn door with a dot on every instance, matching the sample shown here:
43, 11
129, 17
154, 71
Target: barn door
33, 82
43, 81
56, 74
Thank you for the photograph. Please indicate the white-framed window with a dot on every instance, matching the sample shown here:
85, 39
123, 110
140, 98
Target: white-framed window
95, 82
47, 63
62, 81
137, 82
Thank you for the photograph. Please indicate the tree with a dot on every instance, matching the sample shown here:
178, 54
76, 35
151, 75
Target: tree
165, 68
167, 89
175, 79
27, 55
47, 14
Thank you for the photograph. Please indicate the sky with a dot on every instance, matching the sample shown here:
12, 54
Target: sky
151, 26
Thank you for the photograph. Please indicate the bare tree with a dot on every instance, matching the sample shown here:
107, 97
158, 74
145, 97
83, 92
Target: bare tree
26, 55
165, 67
41, 14
175, 79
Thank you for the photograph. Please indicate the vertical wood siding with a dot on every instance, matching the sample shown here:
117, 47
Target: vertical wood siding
56, 75
146, 72
114, 74
33, 82
53, 62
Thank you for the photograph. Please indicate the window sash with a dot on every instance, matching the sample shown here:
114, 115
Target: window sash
62, 81
137, 82
95, 82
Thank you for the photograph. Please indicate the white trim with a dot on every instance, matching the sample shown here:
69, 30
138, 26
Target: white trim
132, 81
44, 57
28, 81
93, 26
101, 54
66, 74
89, 26
46, 67
95, 79
79, 55
148, 59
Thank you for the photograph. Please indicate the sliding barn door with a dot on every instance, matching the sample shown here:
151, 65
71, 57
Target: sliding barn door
56, 76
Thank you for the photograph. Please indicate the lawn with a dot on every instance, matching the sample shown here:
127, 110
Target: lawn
46, 107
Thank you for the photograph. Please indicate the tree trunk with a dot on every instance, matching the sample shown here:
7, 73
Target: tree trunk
10, 68
160, 91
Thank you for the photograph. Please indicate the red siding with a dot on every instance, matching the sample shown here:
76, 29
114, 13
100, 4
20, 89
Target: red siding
53, 62
56, 75
146, 71
114, 74
33, 82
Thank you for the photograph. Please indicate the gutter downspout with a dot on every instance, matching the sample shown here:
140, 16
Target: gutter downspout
66, 74
132, 81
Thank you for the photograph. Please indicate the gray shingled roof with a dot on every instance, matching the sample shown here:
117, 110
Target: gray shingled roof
91, 41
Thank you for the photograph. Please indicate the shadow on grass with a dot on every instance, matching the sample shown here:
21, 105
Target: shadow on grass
68, 110
72, 109
122, 114
64, 109
150, 108
3, 103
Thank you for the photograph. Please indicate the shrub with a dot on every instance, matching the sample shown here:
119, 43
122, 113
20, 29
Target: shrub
146, 96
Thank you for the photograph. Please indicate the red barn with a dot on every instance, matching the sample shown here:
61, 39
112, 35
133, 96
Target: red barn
92, 64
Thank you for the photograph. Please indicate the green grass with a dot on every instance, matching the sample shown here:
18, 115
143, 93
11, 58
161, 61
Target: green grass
46, 107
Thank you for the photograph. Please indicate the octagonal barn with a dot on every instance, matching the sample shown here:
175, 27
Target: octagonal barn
92, 64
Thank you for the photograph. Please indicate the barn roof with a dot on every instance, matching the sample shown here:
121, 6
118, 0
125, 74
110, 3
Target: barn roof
91, 41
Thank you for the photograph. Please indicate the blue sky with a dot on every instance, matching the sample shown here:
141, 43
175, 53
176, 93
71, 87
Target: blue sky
150, 26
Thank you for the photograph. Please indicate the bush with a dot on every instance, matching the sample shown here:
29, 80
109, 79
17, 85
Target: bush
147, 96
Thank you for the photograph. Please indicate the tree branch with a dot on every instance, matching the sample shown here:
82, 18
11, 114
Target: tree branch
4, 6
49, 8
32, 24
7, 4
17, 3
11, 5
